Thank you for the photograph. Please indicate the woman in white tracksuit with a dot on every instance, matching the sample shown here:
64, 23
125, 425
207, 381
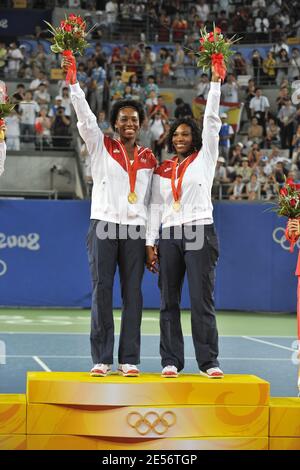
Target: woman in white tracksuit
181, 204
122, 173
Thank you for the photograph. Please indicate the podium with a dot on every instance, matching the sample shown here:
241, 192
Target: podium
76, 411
67, 411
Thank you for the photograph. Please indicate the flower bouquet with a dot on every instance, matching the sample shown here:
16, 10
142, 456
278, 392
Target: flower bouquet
289, 206
6, 106
69, 39
215, 51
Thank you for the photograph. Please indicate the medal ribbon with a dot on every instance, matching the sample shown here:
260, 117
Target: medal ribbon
131, 169
177, 191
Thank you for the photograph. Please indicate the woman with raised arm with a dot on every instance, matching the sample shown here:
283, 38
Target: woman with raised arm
181, 202
122, 173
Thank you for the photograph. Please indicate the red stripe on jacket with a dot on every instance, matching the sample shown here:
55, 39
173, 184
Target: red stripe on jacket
146, 158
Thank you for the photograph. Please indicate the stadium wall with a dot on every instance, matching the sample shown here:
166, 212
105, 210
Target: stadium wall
43, 258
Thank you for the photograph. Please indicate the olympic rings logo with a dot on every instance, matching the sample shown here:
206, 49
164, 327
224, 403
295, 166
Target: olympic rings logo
151, 421
279, 237
3, 267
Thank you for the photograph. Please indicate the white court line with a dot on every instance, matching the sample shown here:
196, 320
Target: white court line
268, 343
41, 363
18, 356
143, 334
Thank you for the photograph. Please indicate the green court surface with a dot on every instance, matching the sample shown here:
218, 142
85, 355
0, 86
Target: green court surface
78, 321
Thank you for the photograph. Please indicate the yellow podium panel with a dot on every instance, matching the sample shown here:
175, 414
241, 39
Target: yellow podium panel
284, 443
285, 417
44, 442
13, 442
76, 388
148, 422
12, 414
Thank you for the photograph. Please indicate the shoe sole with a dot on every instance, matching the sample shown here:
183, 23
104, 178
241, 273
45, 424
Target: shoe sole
95, 374
169, 376
129, 374
211, 376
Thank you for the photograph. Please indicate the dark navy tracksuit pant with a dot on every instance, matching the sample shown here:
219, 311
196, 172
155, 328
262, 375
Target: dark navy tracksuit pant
177, 256
105, 254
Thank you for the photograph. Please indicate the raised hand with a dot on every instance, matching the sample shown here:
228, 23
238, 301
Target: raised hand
215, 76
293, 227
2, 130
68, 64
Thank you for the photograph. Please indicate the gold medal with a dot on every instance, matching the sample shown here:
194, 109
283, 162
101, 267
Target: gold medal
176, 206
132, 197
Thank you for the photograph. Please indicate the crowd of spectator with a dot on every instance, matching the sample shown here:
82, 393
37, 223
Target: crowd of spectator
268, 147
184, 17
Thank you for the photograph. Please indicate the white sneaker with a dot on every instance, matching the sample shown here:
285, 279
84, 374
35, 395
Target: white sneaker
212, 373
169, 372
100, 370
128, 370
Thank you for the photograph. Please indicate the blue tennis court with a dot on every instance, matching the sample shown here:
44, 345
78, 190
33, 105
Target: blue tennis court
270, 357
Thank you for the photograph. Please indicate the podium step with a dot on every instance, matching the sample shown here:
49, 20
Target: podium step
76, 388
13, 442
285, 417
284, 443
148, 422
44, 442
12, 414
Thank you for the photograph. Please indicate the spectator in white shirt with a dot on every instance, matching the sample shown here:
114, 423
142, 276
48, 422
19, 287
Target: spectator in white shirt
229, 91
280, 44
13, 131
202, 10
54, 107
66, 101
294, 65
261, 23
28, 110
111, 9
15, 58
259, 107
286, 116
41, 95
41, 78
203, 86
237, 189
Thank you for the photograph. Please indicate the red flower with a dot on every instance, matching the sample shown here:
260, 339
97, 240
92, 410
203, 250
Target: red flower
218, 30
211, 37
79, 20
290, 181
283, 192
72, 17
202, 40
201, 48
68, 28
293, 202
62, 24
